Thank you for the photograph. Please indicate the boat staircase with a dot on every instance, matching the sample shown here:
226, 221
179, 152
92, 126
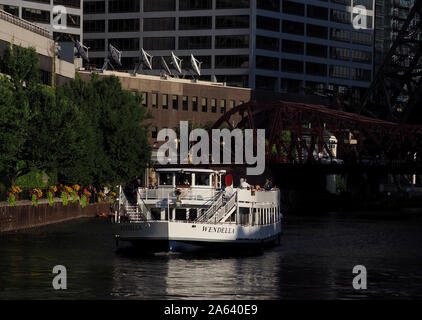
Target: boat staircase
220, 210
131, 208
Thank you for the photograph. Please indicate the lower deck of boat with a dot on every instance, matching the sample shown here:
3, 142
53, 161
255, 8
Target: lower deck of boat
166, 245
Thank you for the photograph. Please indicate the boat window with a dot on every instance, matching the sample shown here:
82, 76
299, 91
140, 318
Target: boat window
165, 178
202, 179
183, 179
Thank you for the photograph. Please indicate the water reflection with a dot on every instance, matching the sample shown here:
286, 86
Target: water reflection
315, 261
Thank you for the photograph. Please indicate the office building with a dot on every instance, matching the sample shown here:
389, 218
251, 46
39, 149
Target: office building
277, 45
26, 34
40, 12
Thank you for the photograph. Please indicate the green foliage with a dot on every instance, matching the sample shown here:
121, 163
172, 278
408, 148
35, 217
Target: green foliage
11, 199
86, 133
65, 200
35, 179
34, 200
115, 132
84, 201
50, 198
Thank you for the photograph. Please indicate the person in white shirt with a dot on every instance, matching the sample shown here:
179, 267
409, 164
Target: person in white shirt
244, 184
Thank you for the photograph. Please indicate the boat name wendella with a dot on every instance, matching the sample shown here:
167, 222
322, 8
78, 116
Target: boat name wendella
218, 229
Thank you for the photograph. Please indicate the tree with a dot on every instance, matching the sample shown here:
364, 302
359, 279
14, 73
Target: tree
117, 136
87, 133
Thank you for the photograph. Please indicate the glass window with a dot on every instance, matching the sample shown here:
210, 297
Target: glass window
231, 104
340, 35
175, 102
291, 85
266, 83
316, 50
94, 26
294, 8
196, 42
267, 43
95, 44
340, 16
293, 27
339, 72
164, 100
222, 106
291, 46
195, 23
232, 4
234, 80
183, 179
159, 24
232, 61
159, 5
166, 178
195, 4
204, 104
154, 132
362, 38
14, 10
317, 12
361, 74
144, 97
195, 104
36, 15
185, 103
232, 22
123, 25
92, 7
67, 3
316, 31
231, 42
362, 56
271, 5
159, 43
154, 100
340, 53
267, 23
288, 65
116, 6
126, 44
316, 69
202, 179
268, 63
213, 105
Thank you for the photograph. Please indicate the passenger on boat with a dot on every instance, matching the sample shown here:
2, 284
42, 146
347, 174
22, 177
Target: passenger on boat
268, 184
244, 184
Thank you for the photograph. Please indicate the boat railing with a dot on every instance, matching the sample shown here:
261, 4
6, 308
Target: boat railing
226, 209
186, 194
212, 209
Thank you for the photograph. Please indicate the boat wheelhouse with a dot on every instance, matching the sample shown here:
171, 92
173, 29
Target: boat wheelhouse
189, 210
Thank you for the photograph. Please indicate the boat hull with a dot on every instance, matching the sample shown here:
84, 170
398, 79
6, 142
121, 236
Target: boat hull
164, 236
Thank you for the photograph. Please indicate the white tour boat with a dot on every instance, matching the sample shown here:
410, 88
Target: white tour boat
189, 211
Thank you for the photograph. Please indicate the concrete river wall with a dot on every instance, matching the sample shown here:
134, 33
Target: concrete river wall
28, 216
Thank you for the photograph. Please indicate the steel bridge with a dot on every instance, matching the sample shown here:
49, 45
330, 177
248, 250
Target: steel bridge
300, 134
396, 91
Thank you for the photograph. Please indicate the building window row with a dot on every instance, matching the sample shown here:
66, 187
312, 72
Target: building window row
187, 103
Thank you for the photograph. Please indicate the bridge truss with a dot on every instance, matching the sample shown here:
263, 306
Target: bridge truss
397, 86
295, 132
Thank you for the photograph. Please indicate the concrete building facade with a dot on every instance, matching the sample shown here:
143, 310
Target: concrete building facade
23, 33
277, 45
40, 12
